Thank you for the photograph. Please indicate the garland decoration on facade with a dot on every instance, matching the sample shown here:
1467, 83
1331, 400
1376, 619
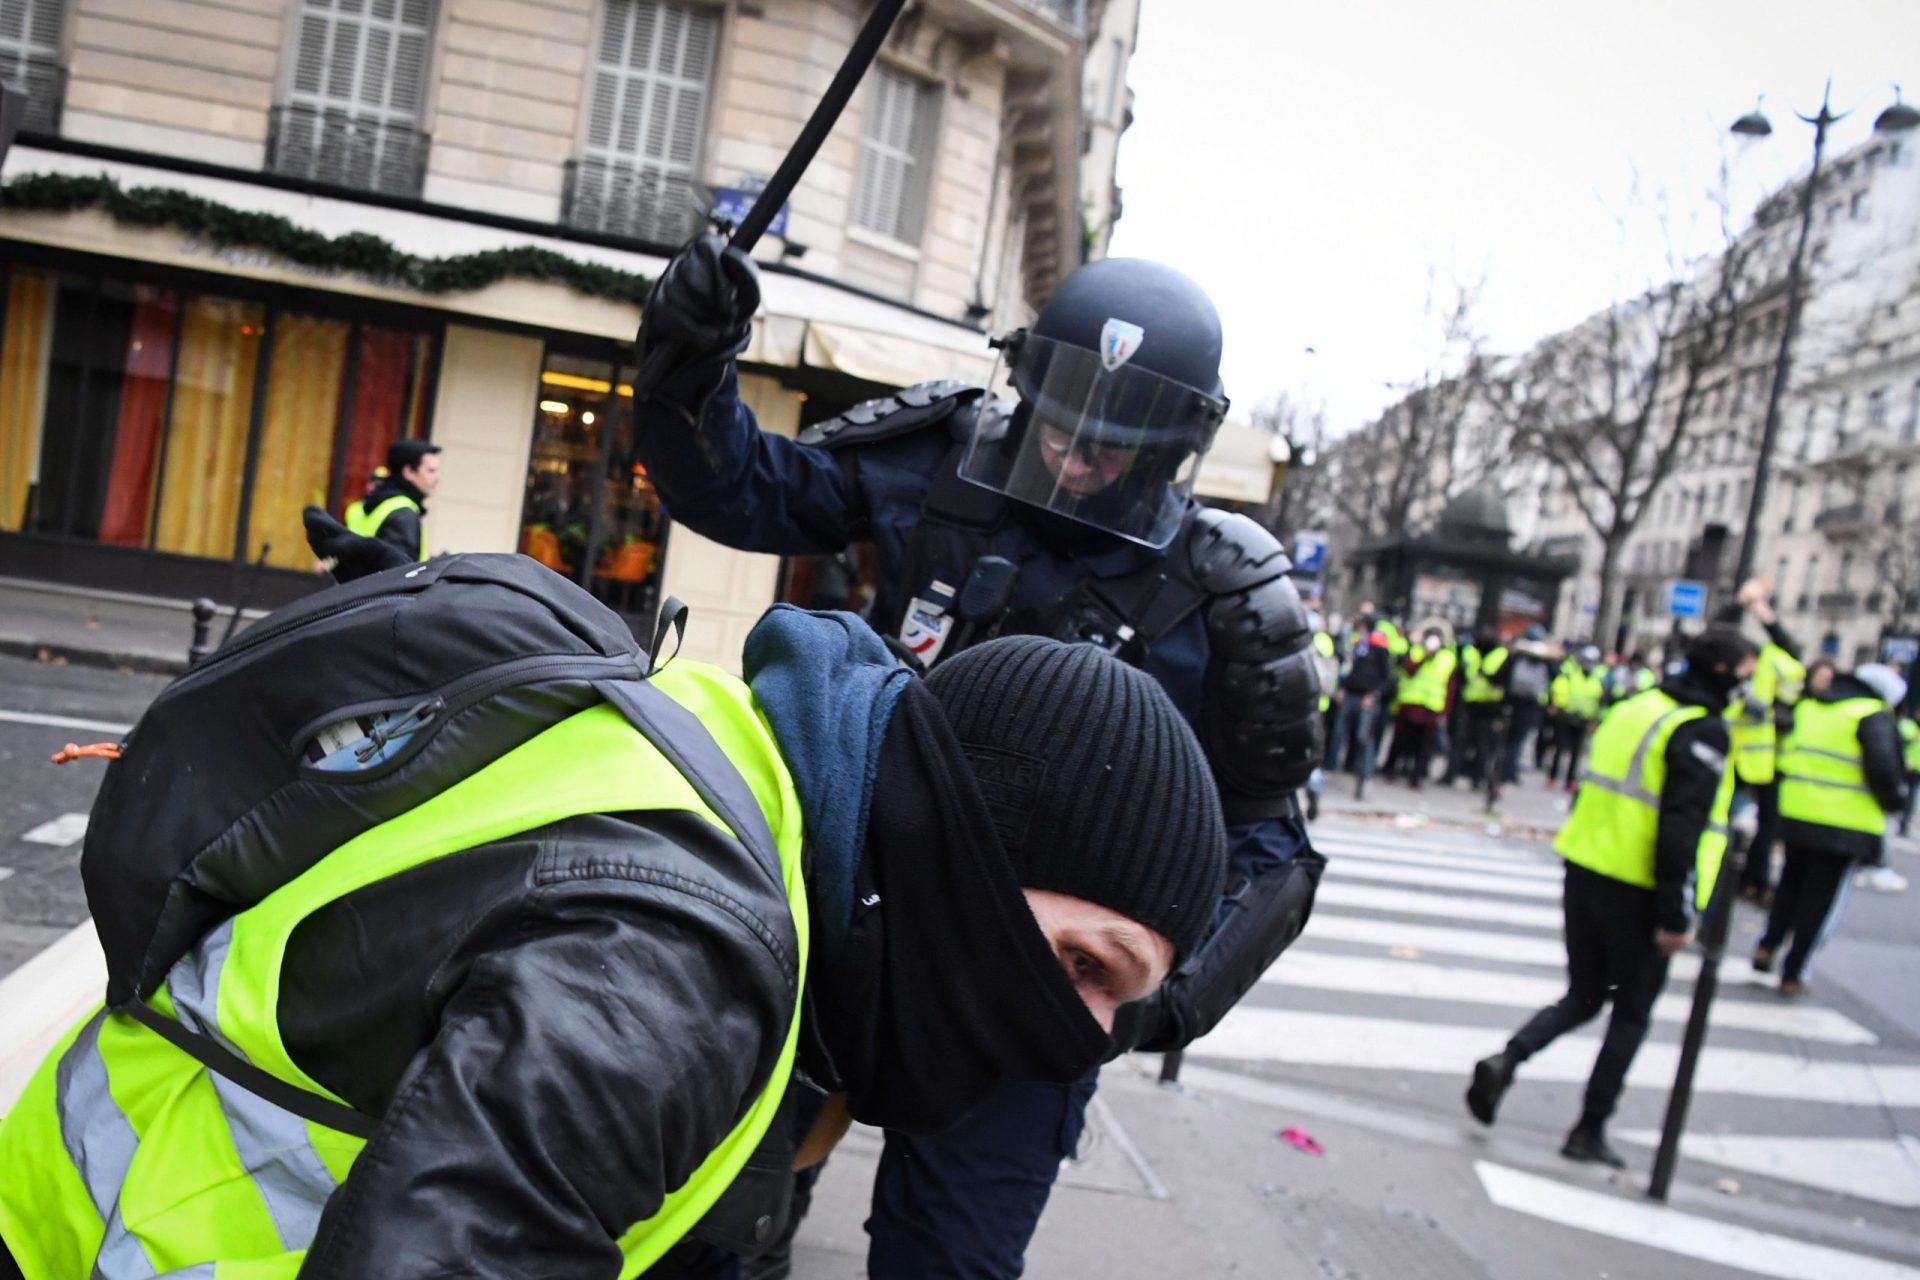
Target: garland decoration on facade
356, 252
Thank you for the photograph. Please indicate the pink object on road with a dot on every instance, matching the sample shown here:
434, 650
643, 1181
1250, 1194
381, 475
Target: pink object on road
1302, 1140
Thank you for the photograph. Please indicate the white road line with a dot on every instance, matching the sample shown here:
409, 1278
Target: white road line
5, 872
1709, 1240
1883, 1169
1472, 881
62, 831
1420, 980
44, 998
62, 722
1302, 1038
1517, 871
1481, 854
1414, 903
1508, 948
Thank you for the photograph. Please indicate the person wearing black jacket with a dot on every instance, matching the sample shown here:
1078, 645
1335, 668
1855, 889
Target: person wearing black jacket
1362, 694
396, 504
1629, 901
1823, 840
1756, 873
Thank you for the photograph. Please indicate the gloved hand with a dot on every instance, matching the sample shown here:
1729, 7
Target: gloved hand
353, 555
703, 303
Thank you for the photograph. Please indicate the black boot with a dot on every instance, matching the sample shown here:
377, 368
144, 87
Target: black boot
1313, 806
1588, 1144
1491, 1076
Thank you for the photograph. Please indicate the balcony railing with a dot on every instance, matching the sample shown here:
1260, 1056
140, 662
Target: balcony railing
337, 147
1839, 602
1842, 521
630, 198
1064, 12
45, 82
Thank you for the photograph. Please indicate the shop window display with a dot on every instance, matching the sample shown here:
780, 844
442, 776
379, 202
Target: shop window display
590, 512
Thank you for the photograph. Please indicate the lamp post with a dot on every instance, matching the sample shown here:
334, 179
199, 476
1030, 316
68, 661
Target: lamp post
1897, 118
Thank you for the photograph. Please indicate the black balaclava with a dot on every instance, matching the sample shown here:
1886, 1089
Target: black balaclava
1713, 661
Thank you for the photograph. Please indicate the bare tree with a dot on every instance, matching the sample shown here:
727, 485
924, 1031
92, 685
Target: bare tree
1301, 499
1610, 405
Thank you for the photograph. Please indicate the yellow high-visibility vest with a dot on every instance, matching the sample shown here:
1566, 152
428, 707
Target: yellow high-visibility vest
1823, 777
367, 523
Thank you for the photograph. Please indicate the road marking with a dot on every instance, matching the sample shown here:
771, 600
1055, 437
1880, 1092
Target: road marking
60, 832
1478, 855
1883, 1169
1346, 868
63, 722
5, 872
44, 998
1709, 1240
1414, 903
1301, 1038
1421, 980
1517, 871
1509, 948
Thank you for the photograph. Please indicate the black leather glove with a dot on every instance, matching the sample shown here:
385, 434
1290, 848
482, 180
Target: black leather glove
703, 303
353, 555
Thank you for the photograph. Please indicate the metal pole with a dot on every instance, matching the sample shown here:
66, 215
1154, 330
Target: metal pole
1783, 363
203, 611
1713, 944
1170, 1067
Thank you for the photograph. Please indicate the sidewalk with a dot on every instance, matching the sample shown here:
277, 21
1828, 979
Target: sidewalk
1527, 810
58, 623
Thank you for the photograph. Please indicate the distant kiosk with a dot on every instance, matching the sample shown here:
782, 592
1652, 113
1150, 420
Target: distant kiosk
1463, 569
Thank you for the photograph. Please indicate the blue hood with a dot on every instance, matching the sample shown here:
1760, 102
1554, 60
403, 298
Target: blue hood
827, 684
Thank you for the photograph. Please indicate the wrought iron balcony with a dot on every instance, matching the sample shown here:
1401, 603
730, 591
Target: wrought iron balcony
1849, 520
335, 146
44, 81
1839, 602
626, 198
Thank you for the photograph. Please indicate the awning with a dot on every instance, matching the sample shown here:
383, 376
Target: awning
1239, 467
884, 357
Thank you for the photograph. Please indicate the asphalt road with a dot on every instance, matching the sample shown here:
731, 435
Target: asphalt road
42, 897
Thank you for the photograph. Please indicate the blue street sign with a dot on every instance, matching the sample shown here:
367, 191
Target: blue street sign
1687, 599
1309, 553
730, 205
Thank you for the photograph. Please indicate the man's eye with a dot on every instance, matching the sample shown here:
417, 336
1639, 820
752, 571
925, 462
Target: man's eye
1083, 965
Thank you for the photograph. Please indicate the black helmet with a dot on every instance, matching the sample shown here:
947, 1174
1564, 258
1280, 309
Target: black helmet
1118, 383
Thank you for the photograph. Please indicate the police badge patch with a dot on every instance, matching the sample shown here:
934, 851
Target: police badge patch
1118, 341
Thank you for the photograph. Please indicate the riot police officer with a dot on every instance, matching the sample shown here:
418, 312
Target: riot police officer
1062, 509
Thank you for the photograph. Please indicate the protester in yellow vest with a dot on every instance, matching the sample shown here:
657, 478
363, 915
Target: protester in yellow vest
1474, 746
1910, 755
1576, 696
1425, 694
538, 1023
394, 508
1840, 775
1643, 847
1758, 719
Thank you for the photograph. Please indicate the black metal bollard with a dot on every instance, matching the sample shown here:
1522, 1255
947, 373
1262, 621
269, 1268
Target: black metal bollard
1170, 1067
203, 611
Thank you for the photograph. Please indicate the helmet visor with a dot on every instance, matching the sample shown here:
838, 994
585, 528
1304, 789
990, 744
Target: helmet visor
1115, 448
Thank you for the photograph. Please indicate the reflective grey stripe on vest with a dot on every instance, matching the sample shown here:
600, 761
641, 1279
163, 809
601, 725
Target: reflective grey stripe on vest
1841, 757
1630, 786
1788, 775
273, 1144
100, 1141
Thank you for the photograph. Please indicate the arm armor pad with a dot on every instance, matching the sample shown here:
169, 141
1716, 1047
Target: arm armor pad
1262, 919
1260, 722
920, 405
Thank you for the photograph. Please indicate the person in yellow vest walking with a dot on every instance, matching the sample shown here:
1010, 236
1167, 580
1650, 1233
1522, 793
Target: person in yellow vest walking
1425, 695
1910, 755
396, 507
1759, 720
1575, 697
1840, 776
538, 1022
1642, 847
1473, 749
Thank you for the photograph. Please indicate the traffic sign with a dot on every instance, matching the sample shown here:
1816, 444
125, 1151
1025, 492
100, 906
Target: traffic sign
1687, 599
1309, 553
730, 205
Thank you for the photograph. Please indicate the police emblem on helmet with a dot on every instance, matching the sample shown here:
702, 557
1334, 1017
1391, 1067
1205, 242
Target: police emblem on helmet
1118, 341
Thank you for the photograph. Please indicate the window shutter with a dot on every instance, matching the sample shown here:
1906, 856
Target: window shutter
653, 67
896, 151
352, 111
30, 58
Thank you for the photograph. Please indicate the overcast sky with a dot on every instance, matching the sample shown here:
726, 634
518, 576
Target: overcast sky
1310, 164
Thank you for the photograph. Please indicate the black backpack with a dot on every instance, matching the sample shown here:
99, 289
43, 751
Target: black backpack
315, 725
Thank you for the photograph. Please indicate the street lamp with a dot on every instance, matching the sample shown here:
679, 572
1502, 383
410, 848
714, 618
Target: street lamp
1897, 118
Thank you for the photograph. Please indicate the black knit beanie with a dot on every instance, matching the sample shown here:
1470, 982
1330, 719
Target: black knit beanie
1096, 783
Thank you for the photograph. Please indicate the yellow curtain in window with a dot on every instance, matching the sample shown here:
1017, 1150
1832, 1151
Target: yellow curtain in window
296, 441
207, 434
23, 389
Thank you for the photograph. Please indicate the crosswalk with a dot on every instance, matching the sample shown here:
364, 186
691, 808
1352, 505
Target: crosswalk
1426, 950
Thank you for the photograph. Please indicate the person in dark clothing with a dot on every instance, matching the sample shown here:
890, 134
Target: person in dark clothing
1363, 692
1525, 678
1065, 486
1840, 776
1640, 860
1761, 723
394, 508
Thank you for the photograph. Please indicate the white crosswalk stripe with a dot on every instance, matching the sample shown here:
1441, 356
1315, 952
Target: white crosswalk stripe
1423, 954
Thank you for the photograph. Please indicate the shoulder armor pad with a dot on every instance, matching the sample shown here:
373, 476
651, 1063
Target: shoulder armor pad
909, 410
1229, 552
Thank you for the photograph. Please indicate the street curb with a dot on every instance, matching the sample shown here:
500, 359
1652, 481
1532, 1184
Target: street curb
82, 656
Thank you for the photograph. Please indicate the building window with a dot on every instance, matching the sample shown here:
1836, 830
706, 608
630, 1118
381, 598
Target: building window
30, 58
591, 513
652, 77
896, 156
1846, 570
351, 115
191, 423
1813, 576
1877, 407
1857, 207
1912, 427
